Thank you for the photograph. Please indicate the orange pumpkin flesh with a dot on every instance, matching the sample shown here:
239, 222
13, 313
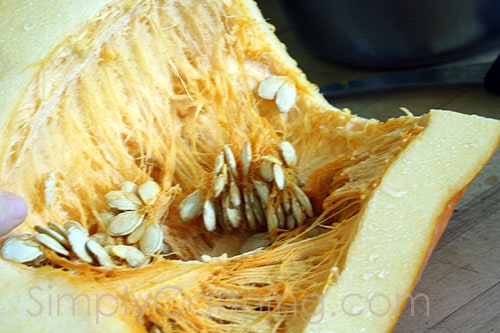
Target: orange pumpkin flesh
102, 92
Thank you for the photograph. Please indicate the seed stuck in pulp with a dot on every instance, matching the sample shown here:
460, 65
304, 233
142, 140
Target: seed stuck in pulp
267, 194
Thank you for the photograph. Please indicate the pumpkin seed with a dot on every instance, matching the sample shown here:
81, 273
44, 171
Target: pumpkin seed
272, 159
128, 186
219, 162
101, 238
233, 214
279, 176
234, 193
304, 200
220, 184
135, 258
286, 96
51, 243
148, 192
125, 223
288, 153
248, 207
103, 258
231, 161
266, 170
105, 218
209, 215
246, 158
77, 239
191, 207
123, 200
21, 249
74, 224
290, 222
256, 241
269, 87
272, 219
137, 234
152, 239
297, 212
53, 234
280, 213
57, 228
262, 191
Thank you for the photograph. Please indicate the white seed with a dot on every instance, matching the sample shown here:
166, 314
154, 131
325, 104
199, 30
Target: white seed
148, 192
279, 176
125, 223
105, 218
103, 258
288, 153
49, 188
57, 228
136, 235
74, 224
290, 222
286, 96
246, 158
280, 213
120, 250
220, 184
191, 207
234, 193
271, 159
209, 215
270, 86
135, 258
266, 171
77, 239
233, 214
259, 210
271, 219
285, 201
51, 243
297, 212
53, 234
231, 161
248, 207
101, 238
21, 249
128, 186
165, 249
219, 162
262, 191
256, 241
152, 239
123, 200
304, 200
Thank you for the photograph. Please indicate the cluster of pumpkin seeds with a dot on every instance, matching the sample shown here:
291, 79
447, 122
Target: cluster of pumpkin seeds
281, 89
127, 237
253, 192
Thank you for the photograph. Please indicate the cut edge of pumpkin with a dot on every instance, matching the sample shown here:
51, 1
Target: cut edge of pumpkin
404, 220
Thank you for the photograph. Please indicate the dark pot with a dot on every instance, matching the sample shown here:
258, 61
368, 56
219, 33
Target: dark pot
395, 33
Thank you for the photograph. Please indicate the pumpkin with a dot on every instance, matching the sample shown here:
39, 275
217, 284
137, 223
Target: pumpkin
182, 174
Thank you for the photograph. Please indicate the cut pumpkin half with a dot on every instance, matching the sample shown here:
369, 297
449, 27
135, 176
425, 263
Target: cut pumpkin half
182, 175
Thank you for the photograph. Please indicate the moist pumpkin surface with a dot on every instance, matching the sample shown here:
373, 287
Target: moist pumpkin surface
154, 92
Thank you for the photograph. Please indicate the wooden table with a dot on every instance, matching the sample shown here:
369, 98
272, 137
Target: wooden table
462, 278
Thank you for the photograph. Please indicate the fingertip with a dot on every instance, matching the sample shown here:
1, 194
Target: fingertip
13, 211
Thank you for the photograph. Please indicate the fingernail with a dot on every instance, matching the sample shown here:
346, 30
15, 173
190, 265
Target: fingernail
18, 208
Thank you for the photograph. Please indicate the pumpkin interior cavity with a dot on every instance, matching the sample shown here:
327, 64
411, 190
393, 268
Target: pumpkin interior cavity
155, 91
